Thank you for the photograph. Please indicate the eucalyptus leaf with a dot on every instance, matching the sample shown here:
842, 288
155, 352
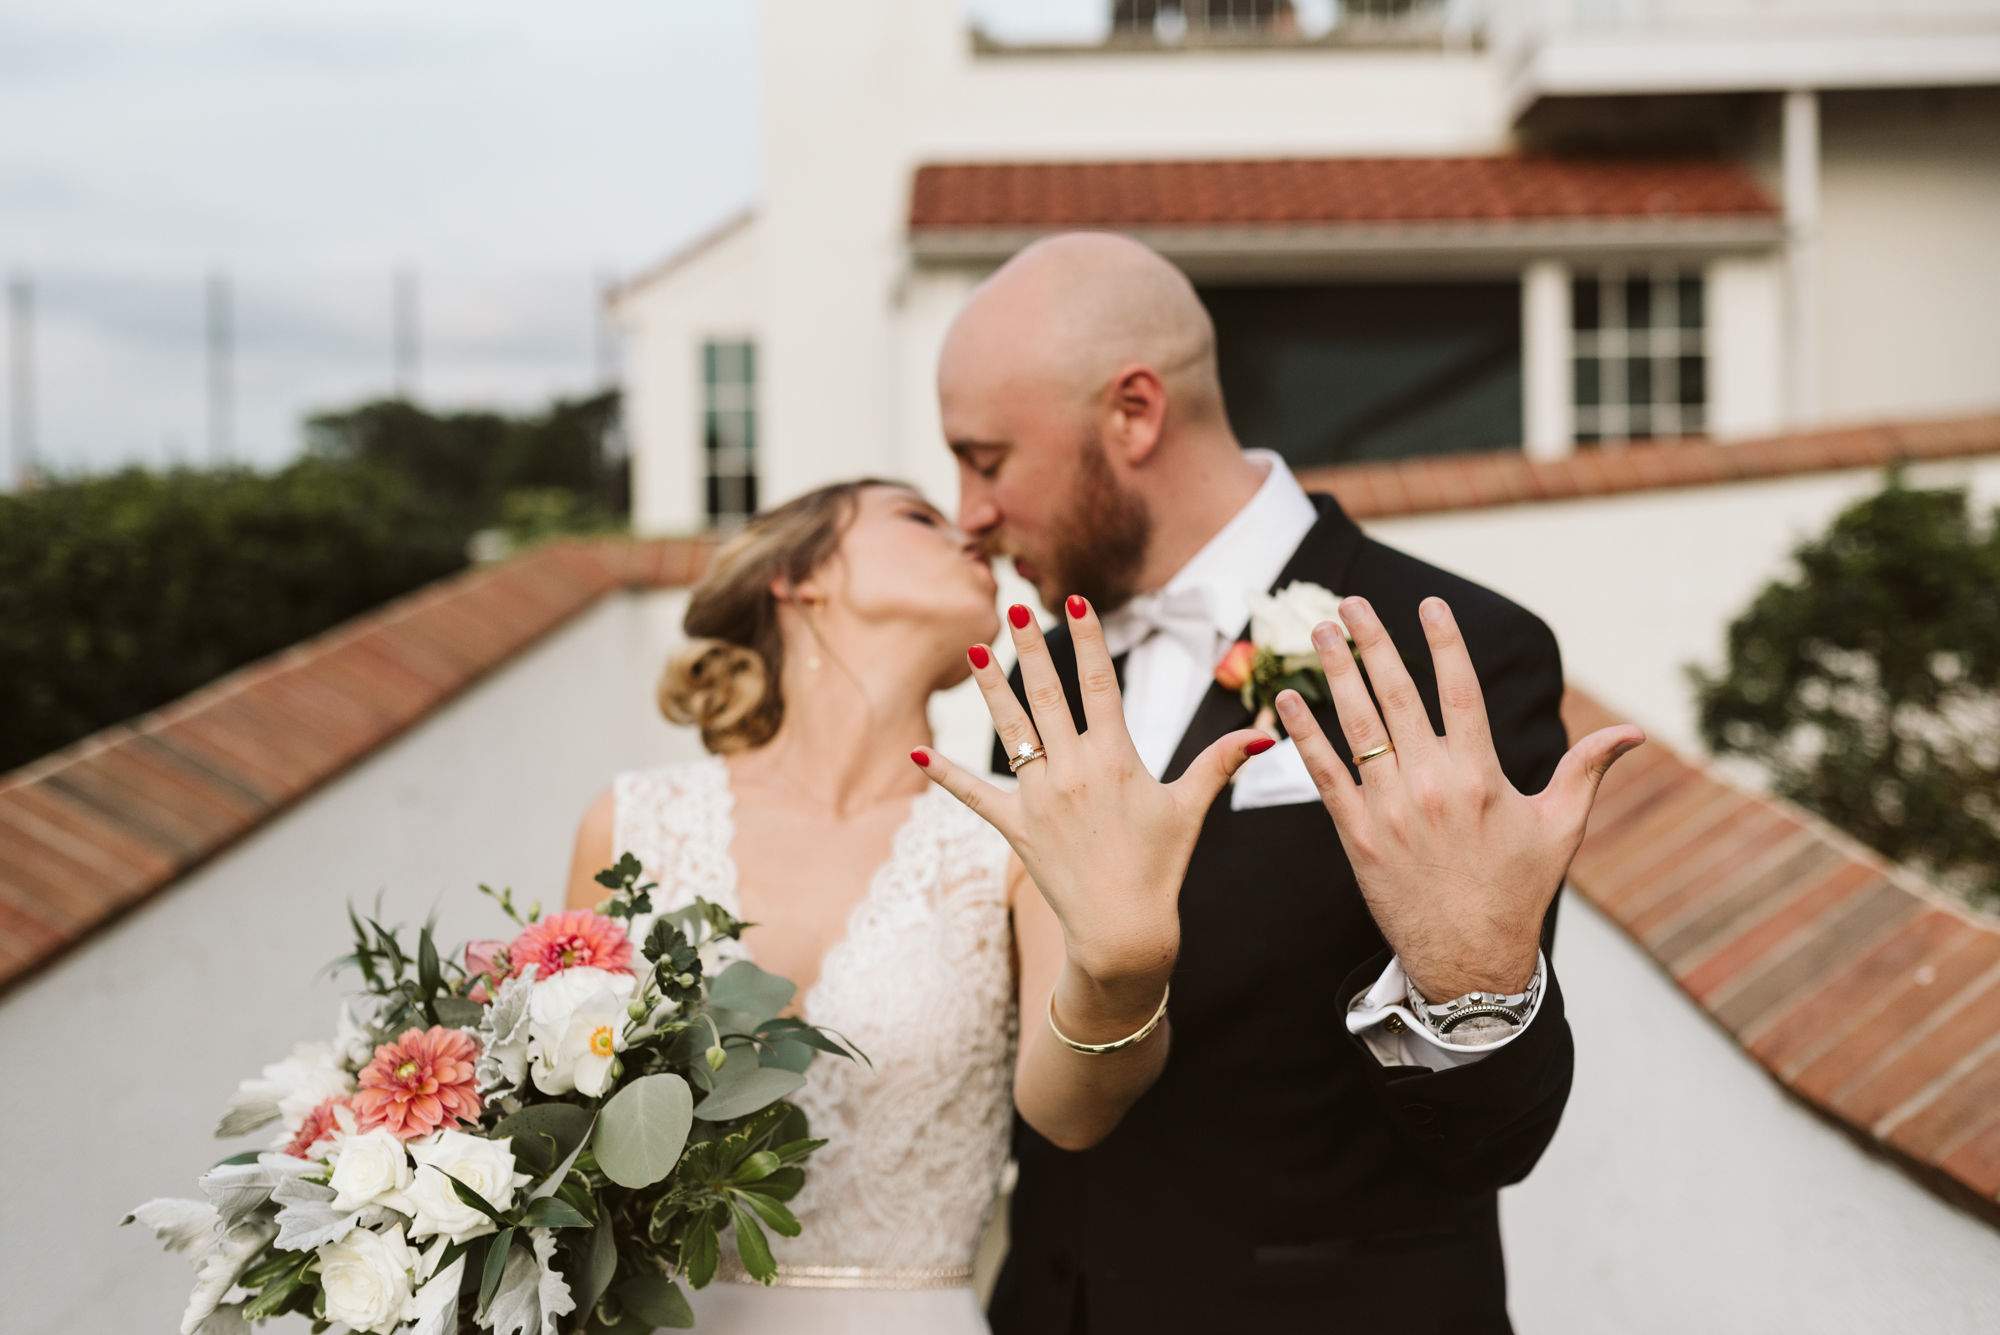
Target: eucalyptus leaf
738, 1095
534, 1127
548, 1212
657, 1300
496, 1266
474, 1199
745, 987
599, 1265
641, 1132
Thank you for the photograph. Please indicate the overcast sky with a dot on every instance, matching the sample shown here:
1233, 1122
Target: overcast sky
512, 154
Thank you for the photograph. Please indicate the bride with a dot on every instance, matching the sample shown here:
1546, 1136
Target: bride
818, 637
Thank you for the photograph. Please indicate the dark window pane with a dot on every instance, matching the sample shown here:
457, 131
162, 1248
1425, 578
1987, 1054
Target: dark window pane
1690, 301
1583, 304
1588, 393
1639, 381
1326, 373
750, 493
1638, 303
1693, 378
1587, 438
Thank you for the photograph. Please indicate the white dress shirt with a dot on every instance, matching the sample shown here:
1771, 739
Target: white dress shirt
1175, 636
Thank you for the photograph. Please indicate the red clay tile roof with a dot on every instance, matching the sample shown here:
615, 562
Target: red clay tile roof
1863, 992
1472, 481
89, 832
1294, 192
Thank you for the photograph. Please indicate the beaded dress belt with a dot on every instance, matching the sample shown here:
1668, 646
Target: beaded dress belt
859, 1276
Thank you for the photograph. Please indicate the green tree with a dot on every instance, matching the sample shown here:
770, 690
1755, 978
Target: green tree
1869, 686
120, 593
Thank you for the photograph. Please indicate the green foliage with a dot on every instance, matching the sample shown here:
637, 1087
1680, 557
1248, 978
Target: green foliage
1869, 687
122, 592
552, 472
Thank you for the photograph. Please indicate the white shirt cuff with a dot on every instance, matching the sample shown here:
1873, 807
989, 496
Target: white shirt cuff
1384, 1021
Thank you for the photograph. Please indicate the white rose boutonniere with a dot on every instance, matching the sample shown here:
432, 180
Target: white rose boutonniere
1279, 654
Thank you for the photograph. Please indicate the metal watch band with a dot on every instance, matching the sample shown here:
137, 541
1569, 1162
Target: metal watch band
1447, 1016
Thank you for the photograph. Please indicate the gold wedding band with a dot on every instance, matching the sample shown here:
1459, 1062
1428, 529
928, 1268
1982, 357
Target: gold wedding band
1381, 750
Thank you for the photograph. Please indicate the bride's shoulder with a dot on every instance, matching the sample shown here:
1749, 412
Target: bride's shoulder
683, 782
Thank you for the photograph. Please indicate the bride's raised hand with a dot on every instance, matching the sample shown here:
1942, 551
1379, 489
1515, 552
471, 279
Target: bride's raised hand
1107, 843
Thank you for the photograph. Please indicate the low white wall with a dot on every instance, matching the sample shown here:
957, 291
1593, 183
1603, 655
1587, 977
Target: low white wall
1686, 1191
121, 1058
1638, 586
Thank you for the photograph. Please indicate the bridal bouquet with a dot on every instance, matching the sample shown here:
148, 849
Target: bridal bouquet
543, 1139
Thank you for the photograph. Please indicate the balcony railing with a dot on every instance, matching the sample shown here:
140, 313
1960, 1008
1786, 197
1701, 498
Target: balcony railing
1154, 25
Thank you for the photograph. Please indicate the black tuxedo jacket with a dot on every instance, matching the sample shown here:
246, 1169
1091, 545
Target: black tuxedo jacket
1277, 1177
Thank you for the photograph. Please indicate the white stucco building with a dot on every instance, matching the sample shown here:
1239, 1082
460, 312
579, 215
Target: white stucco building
1430, 227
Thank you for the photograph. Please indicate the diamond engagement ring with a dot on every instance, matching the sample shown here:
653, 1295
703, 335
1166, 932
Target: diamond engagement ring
1023, 753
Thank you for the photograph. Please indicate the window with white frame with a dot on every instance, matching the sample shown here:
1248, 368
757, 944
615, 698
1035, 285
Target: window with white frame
1640, 343
729, 431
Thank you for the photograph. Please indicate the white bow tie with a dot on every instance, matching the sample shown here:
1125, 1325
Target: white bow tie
1181, 614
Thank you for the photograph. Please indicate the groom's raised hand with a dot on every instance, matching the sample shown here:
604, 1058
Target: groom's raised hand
1457, 866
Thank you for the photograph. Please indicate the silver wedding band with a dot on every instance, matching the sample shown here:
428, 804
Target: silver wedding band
1023, 753
1378, 752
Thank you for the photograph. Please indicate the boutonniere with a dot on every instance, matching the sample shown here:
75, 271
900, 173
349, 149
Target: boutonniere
1279, 654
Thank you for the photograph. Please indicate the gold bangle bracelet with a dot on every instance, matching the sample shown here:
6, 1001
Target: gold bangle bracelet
1099, 1049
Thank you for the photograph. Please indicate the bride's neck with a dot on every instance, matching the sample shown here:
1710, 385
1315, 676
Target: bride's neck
849, 726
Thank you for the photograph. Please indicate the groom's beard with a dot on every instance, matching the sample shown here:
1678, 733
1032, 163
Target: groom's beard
1101, 543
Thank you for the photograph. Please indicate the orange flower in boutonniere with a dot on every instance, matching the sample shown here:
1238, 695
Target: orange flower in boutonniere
1279, 654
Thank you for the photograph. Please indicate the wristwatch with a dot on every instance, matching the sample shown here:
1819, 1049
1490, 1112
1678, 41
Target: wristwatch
1478, 1010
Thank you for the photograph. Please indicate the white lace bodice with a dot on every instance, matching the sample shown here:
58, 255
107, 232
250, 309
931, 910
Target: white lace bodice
923, 983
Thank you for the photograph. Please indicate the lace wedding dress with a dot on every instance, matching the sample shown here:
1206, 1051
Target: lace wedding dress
923, 983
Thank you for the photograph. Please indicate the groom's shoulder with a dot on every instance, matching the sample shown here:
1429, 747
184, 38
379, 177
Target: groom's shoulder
1396, 582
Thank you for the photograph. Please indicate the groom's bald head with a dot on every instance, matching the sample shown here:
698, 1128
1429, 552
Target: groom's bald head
1067, 314
1078, 389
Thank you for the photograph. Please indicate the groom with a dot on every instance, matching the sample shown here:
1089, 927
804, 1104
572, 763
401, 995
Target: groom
1307, 1159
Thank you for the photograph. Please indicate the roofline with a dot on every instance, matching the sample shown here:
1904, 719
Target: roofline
1444, 482
678, 259
1524, 239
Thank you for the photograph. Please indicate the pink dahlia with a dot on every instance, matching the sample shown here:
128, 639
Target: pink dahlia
320, 1124
578, 939
418, 1083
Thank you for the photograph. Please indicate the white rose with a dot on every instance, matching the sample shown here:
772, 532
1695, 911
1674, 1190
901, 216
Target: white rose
369, 1169
366, 1277
576, 1025
486, 1166
1283, 622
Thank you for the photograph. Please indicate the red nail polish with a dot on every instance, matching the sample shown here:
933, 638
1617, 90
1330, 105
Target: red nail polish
977, 653
1077, 607
1260, 746
921, 759
1020, 616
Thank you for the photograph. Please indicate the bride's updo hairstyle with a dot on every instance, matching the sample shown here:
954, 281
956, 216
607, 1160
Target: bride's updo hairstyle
726, 682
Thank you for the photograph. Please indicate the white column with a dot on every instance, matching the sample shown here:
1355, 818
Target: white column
1801, 183
1548, 429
